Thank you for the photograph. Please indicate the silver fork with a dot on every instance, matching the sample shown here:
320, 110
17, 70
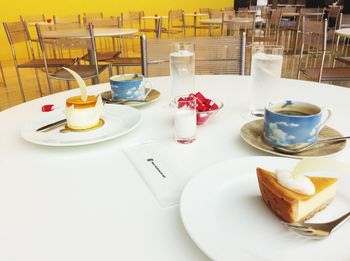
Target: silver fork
317, 230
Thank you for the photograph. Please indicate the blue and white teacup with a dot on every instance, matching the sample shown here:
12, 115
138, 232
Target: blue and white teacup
293, 123
128, 87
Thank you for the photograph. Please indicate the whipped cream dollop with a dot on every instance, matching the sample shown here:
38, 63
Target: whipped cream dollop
299, 183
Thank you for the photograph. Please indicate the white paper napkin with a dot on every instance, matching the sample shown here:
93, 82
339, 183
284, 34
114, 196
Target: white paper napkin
165, 166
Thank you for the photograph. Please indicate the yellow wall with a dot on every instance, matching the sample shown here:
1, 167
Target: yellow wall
10, 10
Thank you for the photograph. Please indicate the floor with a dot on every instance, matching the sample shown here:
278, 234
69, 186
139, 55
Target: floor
11, 96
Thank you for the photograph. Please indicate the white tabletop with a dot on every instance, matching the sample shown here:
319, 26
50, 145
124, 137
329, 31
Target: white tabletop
98, 32
154, 17
234, 20
195, 14
89, 203
345, 32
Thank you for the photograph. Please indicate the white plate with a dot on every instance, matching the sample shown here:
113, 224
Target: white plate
222, 210
119, 120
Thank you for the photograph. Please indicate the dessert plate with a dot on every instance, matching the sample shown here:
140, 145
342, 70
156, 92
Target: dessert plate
152, 97
118, 119
224, 214
252, 133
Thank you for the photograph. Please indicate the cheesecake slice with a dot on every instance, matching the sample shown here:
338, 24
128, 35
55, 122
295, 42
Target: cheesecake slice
292, 206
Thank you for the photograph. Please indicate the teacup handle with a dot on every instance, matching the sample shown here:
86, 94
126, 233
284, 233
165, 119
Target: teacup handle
329, 114
149, 89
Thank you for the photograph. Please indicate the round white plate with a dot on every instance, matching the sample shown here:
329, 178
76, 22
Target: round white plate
119, 120
222, 210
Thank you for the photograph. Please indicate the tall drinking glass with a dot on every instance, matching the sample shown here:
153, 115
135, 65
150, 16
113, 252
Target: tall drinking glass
266, 70
185, 120
182, 69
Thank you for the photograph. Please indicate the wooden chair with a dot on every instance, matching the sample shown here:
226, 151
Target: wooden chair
89, 17
176, 23
314, 39
70, 39
216, 14
249, 28
274, 25
3, 80
106, 48
213, 55
19, 39
32, 18
58, 19
205, 27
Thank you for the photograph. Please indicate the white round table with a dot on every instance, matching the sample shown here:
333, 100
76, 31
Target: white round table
344, 32
98, 32
90, 203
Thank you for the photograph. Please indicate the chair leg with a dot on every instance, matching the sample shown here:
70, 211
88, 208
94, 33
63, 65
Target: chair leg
20, 84
38, 81
110, 70
3, 76
69, 85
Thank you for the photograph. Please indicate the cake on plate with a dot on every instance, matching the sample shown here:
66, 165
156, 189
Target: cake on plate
292, 206
82, 115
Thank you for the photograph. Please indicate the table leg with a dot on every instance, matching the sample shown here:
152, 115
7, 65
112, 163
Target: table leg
92, 61
194, 25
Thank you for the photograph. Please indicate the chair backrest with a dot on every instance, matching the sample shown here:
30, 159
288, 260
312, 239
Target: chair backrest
314, 39
106, 22
32, 18
313, 34
344, 20
243, 9
204, 10
19, 38
131, 19
67, 40
289, 9
215, 13
334, 11
312, 13
213, 55
228, 15
88, 17
276, 16
176, 18
57, 19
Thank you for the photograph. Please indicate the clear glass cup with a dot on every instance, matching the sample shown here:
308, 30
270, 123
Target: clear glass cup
266, 71
182, 68
185, 121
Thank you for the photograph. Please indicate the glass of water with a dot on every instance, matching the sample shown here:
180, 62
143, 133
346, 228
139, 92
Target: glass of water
266, 70
182, 68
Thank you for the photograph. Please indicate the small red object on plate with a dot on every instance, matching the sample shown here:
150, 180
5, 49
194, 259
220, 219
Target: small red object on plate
49, 20
47, 107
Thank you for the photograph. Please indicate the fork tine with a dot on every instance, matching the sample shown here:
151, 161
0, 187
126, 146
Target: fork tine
309, 232
295, 225
302, 230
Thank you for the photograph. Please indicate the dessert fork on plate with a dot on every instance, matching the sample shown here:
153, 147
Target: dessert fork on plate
318, 230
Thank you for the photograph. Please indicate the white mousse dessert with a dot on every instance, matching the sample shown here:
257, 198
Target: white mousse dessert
82, 115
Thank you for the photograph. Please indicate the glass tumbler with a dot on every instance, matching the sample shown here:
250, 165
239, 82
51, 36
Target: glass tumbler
266, 70
182, 69
185, 120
